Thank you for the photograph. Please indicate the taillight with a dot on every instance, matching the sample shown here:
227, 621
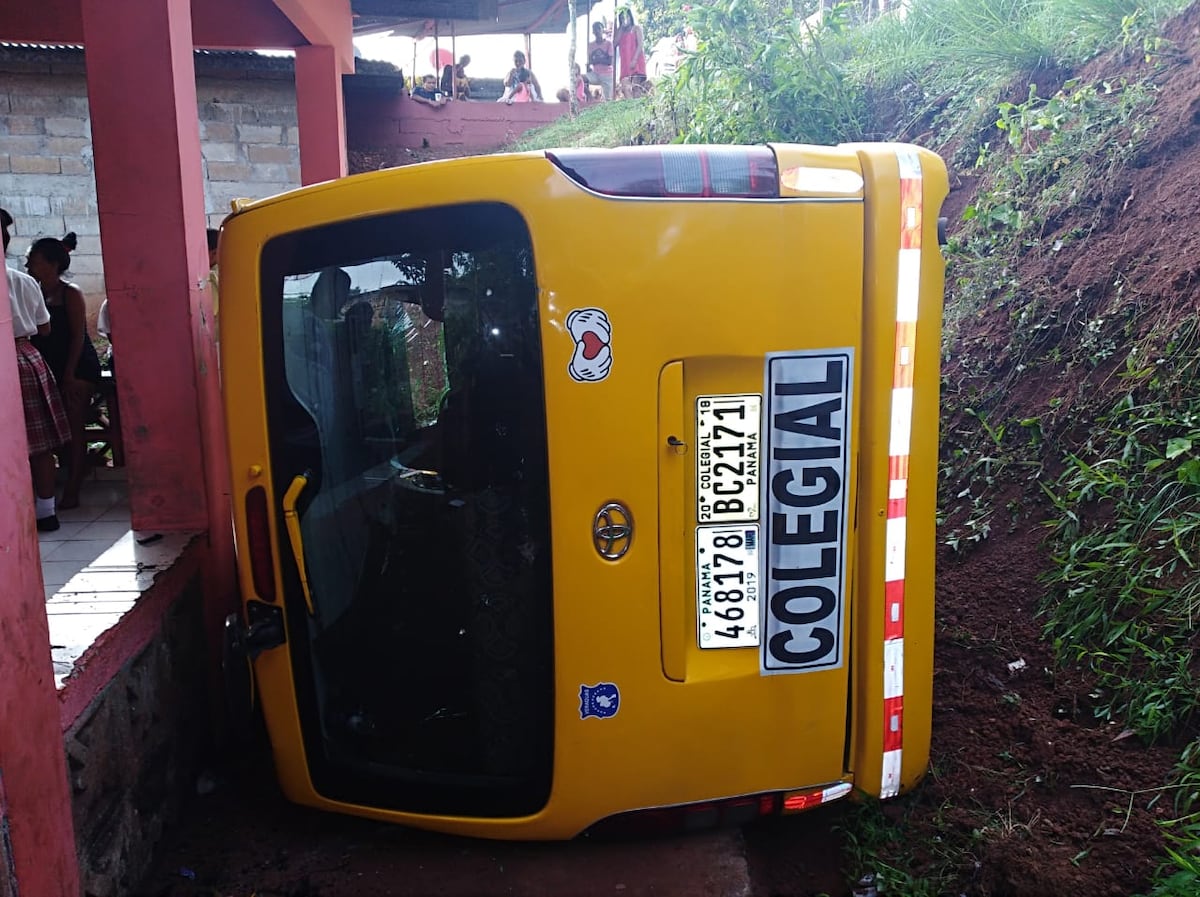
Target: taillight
674, 172
258, 539
731, 811
796, 801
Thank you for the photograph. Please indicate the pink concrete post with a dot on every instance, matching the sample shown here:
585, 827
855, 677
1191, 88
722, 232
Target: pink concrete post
35, 802
149, 187
321, 113
149, 184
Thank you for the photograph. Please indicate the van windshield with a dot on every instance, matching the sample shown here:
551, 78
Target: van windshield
404, 373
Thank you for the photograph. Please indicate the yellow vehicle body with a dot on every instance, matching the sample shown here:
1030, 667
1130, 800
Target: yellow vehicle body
815, 307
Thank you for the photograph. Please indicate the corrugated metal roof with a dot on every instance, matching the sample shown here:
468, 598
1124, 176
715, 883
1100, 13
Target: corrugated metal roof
418, 18
374, 71
75, 48
12, 45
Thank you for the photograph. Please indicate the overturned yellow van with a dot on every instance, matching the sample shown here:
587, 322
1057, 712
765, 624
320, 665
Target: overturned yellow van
590, 488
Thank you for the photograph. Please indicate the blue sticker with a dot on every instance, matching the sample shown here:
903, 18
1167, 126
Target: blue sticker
601, 700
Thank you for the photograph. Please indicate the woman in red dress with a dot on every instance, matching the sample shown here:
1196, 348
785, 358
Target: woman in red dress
631, 54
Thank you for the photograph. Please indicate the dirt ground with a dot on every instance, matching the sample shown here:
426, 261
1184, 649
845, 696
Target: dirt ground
1049, 801
244, 839
1057, 803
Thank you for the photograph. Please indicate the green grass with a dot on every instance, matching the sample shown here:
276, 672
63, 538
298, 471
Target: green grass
879, 852
603, 124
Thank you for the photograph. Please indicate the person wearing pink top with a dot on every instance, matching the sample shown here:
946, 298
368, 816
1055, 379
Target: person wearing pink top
581, 91
520, 84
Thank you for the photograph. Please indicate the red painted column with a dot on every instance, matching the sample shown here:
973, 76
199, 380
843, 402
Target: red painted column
149, 187
321, 113
149, 184
35, 802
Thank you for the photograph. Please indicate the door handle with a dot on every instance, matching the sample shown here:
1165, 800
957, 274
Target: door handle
292, 521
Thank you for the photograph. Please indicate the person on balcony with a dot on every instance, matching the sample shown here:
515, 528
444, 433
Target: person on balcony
631, 55
455, 83
582, 95
428, 93
520, 84
600, 61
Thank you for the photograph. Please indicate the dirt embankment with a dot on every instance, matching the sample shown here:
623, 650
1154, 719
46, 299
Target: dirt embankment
1050, 800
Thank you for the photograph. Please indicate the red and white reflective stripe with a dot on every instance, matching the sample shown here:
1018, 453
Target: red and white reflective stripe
908, 288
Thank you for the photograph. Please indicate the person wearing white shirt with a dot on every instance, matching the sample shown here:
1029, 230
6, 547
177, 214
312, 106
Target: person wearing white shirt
45, 418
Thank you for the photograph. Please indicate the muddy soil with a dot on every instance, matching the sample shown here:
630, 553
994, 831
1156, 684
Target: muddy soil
1048, 799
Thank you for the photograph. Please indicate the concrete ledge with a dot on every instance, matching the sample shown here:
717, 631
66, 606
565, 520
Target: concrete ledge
135, 710
111, 610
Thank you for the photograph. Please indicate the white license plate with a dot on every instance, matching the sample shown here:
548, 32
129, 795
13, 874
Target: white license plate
727, 440
807, 460
727, 586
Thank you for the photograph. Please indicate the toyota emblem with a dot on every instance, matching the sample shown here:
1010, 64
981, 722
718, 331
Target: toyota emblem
612, 531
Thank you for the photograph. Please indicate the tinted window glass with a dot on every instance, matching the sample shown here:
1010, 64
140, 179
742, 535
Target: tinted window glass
404, 370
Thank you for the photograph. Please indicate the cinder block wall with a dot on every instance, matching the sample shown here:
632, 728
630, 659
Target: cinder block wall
134, 754
6, 860
248, 132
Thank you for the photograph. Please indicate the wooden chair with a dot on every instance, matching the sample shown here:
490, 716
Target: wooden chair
103, 430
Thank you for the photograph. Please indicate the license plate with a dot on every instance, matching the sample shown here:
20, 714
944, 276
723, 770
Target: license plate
727, 439
807, 459
727, 586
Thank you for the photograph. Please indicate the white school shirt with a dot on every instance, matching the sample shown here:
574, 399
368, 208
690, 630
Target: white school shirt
28, 307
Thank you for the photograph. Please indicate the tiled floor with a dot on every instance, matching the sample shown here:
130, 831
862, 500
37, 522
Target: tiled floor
88, 531
95, 568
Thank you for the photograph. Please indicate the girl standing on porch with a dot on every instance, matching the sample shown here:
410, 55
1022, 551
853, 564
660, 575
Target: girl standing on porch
46, 426
67, 349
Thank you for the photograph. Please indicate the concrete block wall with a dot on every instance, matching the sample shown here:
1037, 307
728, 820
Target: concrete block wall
7, 871
134, 754
248, 137
46, 177
249, 143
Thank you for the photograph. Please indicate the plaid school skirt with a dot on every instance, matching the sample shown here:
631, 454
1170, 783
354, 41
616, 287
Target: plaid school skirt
45, 419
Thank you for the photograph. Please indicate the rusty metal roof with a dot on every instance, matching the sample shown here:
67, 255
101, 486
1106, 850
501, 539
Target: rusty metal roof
419, 18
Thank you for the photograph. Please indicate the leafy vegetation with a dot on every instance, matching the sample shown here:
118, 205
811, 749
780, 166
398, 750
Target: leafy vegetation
991, 85
879, 854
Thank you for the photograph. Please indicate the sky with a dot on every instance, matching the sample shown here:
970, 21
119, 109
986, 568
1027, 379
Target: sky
491, 55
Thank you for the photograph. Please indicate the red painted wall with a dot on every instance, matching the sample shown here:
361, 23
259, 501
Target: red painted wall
35, 804
375, 120
320, 114
325, 23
